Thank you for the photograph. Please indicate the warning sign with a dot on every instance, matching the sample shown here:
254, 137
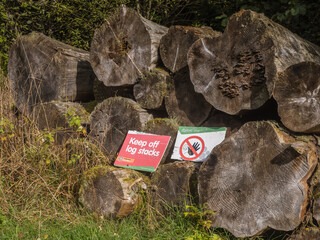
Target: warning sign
196, 143
142, 151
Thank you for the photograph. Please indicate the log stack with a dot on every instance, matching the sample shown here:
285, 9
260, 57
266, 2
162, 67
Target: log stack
257, 78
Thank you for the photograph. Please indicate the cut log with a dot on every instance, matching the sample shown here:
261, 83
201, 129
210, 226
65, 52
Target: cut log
41, 69
167, 127
257, 178
111, 192
102, 92
297, 94
152, 89
65, 119
111, 120
184, 104
54, 115
125, 46
175, 44
237, 70
174, 185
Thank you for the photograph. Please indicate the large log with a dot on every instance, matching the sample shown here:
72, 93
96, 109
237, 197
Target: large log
237, 71
257, 178
41, 69
297, 94
175, 44
125, 46
111, 120
151, 89
111, 192
174, 185
184, 104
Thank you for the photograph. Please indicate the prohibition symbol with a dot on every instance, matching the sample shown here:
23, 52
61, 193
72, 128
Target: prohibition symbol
191, 148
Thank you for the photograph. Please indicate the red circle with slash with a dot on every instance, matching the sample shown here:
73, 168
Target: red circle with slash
187, 141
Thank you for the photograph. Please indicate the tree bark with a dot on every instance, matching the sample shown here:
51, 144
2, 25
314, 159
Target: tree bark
175, 44
184, 104
41, 69
174, 184
237, 71
257, 178
111, 120
152, 89
167, 127
111, 192
125, 46
297, 94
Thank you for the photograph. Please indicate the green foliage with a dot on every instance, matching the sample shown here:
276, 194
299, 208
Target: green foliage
74, 21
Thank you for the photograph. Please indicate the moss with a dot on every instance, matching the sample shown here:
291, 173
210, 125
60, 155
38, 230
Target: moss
170, 122
89, 106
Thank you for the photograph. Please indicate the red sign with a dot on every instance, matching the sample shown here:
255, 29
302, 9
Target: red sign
142, 151
191, 148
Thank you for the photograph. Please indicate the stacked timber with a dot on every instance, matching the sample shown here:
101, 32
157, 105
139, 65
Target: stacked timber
257, 78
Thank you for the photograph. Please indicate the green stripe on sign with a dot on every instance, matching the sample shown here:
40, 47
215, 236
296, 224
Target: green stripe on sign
147, 169
190, 130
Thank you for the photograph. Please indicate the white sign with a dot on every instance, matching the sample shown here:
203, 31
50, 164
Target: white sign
196, 143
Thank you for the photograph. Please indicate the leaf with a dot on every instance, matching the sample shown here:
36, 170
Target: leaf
224, 22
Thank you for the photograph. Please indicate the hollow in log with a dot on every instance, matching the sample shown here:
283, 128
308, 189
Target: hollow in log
151, 89
41, 69
257, 178
125, 46
184, 104
297, 94
174, 185
111, 120
111, 192
174, 45
237, 71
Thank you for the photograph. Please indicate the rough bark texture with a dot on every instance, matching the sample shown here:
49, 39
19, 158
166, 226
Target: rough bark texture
184, 104
257, 178
53, 115
167, 127
174, 184
111, 192
297, 94
125, 46
152, 89
111, 120
237, 70
102, 92
175, 44
41, 69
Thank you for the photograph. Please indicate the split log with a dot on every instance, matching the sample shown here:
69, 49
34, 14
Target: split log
125, 46
237, 70
111, 192
41, 69
174, 185
297, 94
111, 120
175, 44
257, 178
102, 92
184, 104
152, 89
167, 127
